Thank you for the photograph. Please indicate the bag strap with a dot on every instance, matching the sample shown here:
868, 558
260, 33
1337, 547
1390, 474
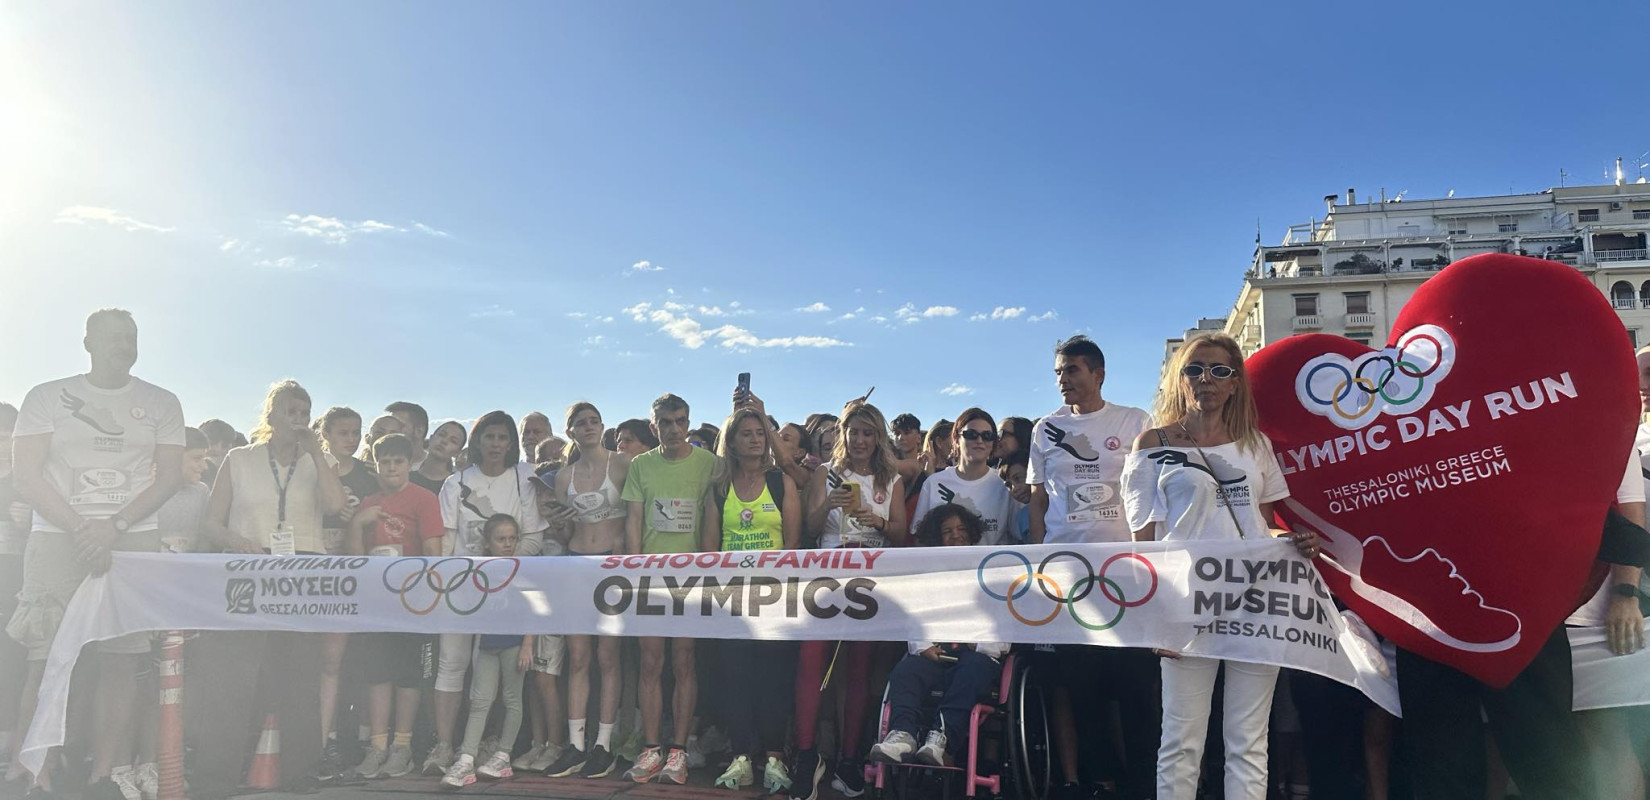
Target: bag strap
776, 487
1211, 466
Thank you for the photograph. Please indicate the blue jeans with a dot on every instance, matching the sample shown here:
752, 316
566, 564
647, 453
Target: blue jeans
915, 677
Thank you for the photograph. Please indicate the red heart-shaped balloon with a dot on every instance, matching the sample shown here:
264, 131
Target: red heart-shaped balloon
1460, 477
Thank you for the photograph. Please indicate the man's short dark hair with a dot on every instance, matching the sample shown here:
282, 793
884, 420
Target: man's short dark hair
193, 439
1083, 347
905, 422
218, 432
392, 444
667, 402
638, 430
420, 417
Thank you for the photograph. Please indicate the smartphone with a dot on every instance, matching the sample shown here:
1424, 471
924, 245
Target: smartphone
946, 658
744, 384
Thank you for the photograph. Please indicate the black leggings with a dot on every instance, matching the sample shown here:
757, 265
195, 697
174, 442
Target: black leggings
756, 687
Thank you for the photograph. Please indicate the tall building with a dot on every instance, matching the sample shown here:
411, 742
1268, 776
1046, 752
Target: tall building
1352, 271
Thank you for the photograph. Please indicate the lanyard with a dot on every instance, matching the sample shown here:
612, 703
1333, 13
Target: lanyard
276, 474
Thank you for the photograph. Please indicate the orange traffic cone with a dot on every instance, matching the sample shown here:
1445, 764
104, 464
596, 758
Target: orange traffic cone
266, 760
171, 717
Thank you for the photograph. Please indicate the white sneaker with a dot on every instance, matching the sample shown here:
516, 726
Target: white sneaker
676, 766
738, 775
125, 779
440, 758
497, 767
932, 751
893, 748
525, 760
552, 753
148, 780
775, 778
695, 753
647, 766
461, 774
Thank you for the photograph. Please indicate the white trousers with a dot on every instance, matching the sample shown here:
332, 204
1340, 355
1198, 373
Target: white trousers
1188, 686
454, 661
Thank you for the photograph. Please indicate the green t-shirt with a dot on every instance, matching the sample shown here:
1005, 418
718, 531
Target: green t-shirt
672, 494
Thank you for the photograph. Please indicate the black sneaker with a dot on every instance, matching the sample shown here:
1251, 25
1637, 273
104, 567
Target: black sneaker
849, 778
332, 763
571, 762
598, 763
805, 778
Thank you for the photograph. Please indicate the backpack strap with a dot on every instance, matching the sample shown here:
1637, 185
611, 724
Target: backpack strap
776, 487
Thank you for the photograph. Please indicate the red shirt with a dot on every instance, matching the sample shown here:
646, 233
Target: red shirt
413, 518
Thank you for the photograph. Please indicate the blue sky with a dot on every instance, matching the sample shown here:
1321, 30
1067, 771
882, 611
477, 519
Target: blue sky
447, 203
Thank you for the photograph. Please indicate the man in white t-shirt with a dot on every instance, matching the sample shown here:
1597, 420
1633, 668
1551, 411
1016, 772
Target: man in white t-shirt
1076, 469
96, 455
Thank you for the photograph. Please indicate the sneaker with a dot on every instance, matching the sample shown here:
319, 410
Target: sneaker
932, 751
695, 753
373, 765
713, 740
461, 774
148, 780
775, 778
676, 766
738, 774
525, 760
332, 762
125, 779
498, 767
893, 748
400, 761
631, 746
599, 764
647, 766
571, 763
105, 789
849, 778
552, 753
440, 758
809, 770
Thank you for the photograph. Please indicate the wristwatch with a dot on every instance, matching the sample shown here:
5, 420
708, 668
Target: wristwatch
1625, 590
120, 523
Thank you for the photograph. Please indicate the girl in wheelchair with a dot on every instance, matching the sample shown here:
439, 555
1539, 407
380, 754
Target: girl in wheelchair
960, 672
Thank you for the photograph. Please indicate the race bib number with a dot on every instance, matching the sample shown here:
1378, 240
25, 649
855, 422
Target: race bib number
386, 550
100, 486
671, 515
1092, 502
333, 540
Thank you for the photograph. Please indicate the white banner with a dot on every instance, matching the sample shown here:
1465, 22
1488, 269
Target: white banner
1247, 601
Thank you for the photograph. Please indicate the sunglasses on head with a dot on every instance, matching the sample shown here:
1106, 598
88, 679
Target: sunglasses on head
971, 435
1218, 371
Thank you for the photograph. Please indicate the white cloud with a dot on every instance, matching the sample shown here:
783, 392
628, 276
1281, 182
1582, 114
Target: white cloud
492, 312
1045, 316
735, 304
82, 215
645, 266
816, 308
333, 230
956, 390
577, 315
231, 246
939, 311
694, 335
712, 311
999, 313
286, 263
592, 341
844, 318
909, 312
605, 319
422, 228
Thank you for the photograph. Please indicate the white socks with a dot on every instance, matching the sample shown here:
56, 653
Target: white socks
575, 734
604, 733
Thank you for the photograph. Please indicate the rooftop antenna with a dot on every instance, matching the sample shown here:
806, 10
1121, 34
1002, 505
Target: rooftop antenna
1562, 176
1643, 164
1450, 195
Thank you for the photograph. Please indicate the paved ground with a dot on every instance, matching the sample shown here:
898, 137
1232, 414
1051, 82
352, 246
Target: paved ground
534, 786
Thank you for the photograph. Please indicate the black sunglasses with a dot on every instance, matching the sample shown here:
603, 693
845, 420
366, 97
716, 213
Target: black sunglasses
1218, 371
971, 435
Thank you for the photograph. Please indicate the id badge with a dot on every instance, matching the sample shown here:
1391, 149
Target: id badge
283, 542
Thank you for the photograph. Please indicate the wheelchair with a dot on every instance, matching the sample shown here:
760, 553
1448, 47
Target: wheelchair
1009, 753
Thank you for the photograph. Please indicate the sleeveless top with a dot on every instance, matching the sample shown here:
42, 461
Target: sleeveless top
254, 511
841, 531
756, 525
601, 504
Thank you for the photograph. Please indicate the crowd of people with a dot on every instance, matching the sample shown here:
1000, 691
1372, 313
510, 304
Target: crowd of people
103, 461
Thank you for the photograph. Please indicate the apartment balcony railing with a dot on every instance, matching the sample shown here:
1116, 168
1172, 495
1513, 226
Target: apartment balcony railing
1308, 322
1625, 303
1611, 256
1360, 320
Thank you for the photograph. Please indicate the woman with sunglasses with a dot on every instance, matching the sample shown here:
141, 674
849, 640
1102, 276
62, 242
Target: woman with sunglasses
971, 484
1208, 473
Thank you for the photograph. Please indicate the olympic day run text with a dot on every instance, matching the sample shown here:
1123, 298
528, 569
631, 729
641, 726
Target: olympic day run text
1222, 593
1422, 478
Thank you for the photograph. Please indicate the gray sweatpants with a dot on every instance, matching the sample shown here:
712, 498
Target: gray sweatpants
492, 672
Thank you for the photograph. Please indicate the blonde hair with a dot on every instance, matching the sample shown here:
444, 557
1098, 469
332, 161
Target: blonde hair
1239, 414
883, 470
724, 448
277, 390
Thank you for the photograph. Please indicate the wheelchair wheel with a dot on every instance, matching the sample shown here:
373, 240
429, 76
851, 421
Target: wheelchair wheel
1030, 760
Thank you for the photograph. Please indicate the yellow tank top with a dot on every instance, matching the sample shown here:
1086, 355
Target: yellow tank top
752, 526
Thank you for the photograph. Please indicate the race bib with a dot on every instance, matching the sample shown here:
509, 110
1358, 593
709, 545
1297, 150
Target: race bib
1091, 502
386, 550
100, 486
333, 540
283, 541
670, 515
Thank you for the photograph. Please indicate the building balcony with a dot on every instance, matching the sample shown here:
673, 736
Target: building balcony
1615, 256
1308, 322
1622, 303
1360, 320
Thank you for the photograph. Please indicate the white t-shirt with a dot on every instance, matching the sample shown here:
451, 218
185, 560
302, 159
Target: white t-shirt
103, 442
844, 531
1190, 492
468, 498
1633, 488
1078, 459
985, 496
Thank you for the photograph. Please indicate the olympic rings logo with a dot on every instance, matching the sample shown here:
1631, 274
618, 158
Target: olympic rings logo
1080, 589
1397, 380
469, 579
